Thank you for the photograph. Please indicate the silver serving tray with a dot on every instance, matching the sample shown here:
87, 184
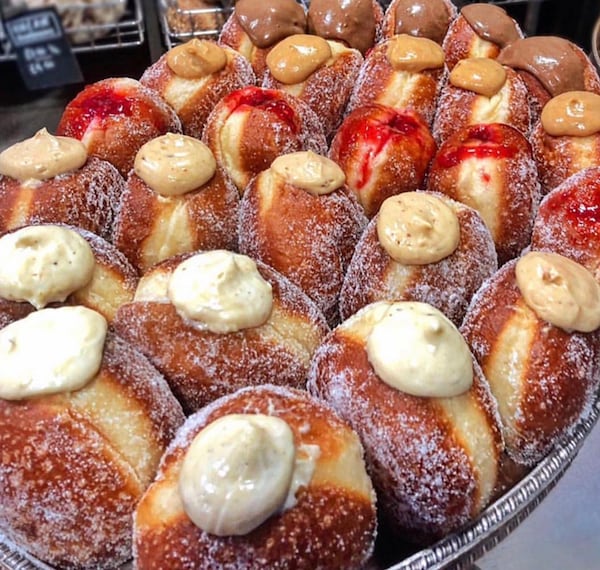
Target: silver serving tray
458, 550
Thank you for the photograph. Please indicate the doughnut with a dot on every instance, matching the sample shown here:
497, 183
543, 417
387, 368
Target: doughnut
252, 126
423, 411
114, 117
403, 72
319, 72
82, 441
491, 168
298, 218
193, 76
566, 138
382, 152
481, 91
255, 26
327, 522
533, 329
49, 264
213, 322
51, 179
479, 30
424, 247
176, 200
568, 221
420, 18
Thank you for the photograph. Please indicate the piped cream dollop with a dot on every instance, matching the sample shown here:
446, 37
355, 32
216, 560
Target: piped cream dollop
416, 349
295, 58
482, 75
415, 54
41, 157
574, 113
175, 164
221, 291
416, 228
50, 351
44, 264
559, 291
310, 171
240, 470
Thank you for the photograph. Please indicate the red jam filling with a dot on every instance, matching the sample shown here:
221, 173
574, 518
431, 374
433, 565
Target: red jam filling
483, 141
267, 100
581, 212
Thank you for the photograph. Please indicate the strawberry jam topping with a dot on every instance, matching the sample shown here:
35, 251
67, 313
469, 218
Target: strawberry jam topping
482, 141
267, 100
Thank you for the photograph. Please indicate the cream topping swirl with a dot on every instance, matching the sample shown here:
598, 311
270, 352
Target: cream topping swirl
416, 349
41, 157
44, 264
50, 351
414, 54
221, 291
559, 291
310, 171
574, 113
175, 164
482, 75
240, 470
416, 228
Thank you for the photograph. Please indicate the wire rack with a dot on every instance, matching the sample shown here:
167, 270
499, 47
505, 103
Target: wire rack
88, 37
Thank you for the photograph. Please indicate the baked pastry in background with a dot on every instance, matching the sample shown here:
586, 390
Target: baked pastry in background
51, 179
318, 71
293, 468
298, 217
176, 200
114, 117
533, 328
420, 18
251, 127
566, 139
213, 322
420, 246
193, 76
549, 66
480, 30
568, 222
403, 72
405, 380
84, 420
481, 91
203, 18
382, 152
47, 264
491, 168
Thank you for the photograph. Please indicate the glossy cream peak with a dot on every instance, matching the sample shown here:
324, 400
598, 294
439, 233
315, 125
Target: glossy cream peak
175, 164
409, 53
221, 291
41, 157
481, 75
310, 171
44, 264
296, 58
414, 348
416, 228
240, 470
575, 113
196, 59
559, 291
50, 351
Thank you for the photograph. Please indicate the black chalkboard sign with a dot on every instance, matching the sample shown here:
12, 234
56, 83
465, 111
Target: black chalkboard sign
44, 54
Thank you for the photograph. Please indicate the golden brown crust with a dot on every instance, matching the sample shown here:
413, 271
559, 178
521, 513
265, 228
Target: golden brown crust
74, 465
201, 366
194, 99
87, 198
491, 169
543, 377
304, 536
448, 284
416, 454
194, 17
150, 227
309, 239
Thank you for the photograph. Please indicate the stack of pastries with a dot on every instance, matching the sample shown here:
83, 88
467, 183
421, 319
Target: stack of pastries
344, 253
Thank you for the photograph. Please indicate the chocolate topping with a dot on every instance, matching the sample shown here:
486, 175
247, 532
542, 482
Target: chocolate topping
552, 60
348, 21
491, 23
422, 18
266, 23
